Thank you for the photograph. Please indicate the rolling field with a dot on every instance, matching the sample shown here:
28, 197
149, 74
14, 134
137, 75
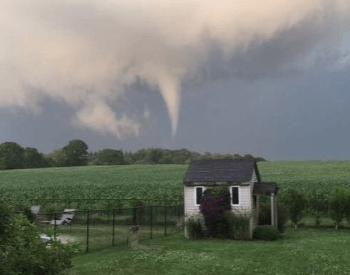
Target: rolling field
157, 182
162, 182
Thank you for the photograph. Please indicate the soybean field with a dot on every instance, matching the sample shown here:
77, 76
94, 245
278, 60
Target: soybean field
149, 182
157, 182
309, 177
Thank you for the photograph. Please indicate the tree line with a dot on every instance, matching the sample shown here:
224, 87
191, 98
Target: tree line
75, 153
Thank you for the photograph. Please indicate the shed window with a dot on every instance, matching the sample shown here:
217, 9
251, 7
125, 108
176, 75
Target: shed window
234, 195
199, 194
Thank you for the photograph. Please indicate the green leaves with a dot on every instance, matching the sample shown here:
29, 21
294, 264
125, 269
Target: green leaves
157, 182
339, 204
296, 204
23, 252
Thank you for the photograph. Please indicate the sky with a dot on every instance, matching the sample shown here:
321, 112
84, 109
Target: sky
266, 77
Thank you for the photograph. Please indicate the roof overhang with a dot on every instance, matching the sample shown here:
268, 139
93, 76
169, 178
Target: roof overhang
211, 183
265, 188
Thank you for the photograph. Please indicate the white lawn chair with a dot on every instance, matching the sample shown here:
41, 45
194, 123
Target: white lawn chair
35, 209
67, 218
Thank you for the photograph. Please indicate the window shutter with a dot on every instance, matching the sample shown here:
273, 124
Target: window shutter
199, 193
235, 198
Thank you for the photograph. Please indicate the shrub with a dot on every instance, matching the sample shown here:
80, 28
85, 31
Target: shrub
338, 204
318, 205
239, 225
141, 211
215, 203
266, 232
296, 204
23, 252
282, 217
265, 214
194, 226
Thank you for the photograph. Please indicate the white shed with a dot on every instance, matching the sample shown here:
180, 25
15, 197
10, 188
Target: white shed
240, 176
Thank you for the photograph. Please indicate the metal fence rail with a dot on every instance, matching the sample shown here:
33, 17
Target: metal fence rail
99, 229
54, 204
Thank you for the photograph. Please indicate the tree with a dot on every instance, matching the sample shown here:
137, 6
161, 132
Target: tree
207, 155
338, 204
237, 156
128, 157
57, 158
92, 157
248, 156
110, 157
259, 159
11, 155
76, 153
318, 204
23, 252
34, 159
296, 203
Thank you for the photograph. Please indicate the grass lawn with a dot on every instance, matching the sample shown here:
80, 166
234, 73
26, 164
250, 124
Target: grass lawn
300, 251
101, 236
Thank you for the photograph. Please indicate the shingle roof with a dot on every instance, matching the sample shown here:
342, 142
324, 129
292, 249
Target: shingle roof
221, 170
265, 188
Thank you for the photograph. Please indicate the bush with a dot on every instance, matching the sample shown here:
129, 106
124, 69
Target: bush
194, 226
282, 217
265, 214
338, 203
142, 211
296, 204
215, 203
239, 225
266, 233
23, 252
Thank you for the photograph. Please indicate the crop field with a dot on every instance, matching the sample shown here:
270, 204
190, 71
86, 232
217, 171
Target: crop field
152, 182
156, 182
315, 179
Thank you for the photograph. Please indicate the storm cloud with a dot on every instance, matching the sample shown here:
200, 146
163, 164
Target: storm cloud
87, 53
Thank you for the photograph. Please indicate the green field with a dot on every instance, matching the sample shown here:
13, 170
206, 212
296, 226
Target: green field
163, 182
300, 251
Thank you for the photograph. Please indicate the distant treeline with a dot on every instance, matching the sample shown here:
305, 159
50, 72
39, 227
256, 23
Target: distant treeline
75, 153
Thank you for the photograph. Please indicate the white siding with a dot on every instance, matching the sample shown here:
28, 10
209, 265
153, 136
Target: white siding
244, 198
189, 197
245, 202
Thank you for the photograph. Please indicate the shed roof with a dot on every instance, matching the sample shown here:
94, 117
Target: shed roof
221, 170
265, 188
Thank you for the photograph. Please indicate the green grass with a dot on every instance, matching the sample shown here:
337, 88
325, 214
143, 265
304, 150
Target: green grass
101, 236
302, 251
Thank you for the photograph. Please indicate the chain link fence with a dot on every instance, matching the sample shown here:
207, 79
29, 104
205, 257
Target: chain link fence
100, 229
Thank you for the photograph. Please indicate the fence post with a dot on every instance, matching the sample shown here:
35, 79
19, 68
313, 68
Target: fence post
134, 214
55, 231
151, 221
164, 220
87, 230
113, 227
178, 212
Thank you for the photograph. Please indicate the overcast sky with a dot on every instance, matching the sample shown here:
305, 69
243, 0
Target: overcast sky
268, 78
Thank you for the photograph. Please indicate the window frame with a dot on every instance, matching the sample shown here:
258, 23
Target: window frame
239, 195
195, 194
